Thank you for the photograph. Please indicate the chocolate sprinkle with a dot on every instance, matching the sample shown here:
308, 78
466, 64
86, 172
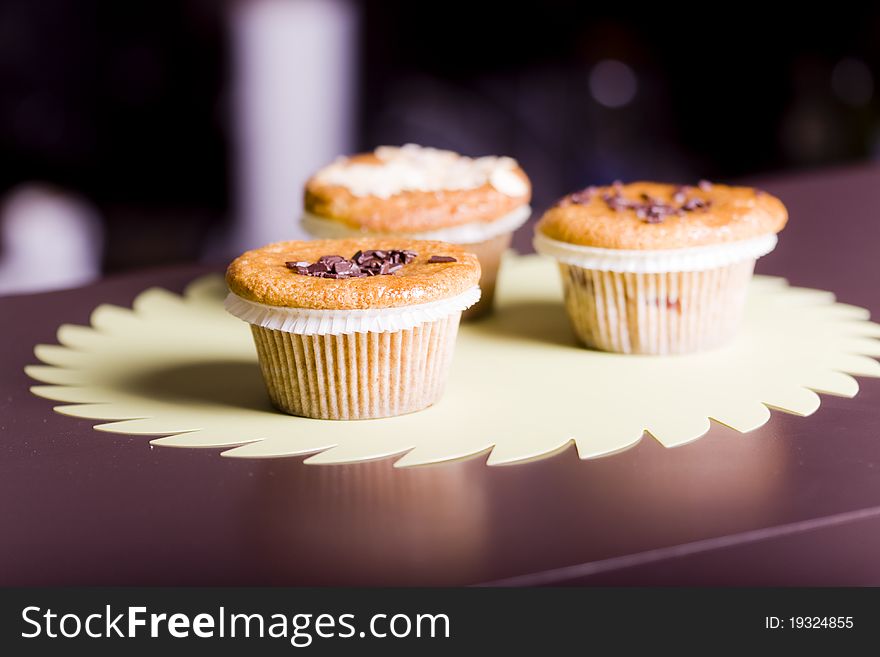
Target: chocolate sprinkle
583, 196
652, 210
360, 265
436, 258
694, 204
648, 208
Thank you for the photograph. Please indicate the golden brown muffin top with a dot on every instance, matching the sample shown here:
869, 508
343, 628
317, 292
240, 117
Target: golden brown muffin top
414, 189
647, 215
263, 276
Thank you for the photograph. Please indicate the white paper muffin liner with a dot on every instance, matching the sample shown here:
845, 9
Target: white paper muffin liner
354, 364
696, 258
356, 376
308, 321
656, 313
662, 301
478, 231
489, 253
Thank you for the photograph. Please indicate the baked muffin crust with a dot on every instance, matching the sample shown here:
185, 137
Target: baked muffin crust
479, 190
262, 276
718, 213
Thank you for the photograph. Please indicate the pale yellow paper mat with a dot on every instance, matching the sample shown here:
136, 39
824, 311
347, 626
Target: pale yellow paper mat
519, 385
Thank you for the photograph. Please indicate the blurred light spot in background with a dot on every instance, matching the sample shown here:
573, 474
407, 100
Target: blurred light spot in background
51, 239
852, 82
613, 83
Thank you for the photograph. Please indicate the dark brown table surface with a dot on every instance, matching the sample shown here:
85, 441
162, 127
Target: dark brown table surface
795, 502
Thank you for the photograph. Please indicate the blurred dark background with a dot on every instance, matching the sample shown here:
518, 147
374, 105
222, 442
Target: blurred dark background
143, 133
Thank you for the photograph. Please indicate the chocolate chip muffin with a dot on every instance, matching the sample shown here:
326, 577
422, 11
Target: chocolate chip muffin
354, 328
426, 194
653, 268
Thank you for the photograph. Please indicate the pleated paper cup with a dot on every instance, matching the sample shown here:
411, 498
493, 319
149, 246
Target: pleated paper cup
487, 240
489, 253
673, 301
358, 364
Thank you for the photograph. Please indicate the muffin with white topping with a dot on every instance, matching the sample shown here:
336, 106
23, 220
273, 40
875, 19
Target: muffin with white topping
424, 194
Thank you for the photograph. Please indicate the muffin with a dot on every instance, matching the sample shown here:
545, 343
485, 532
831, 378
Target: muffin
356, 328
651, 268
425, 194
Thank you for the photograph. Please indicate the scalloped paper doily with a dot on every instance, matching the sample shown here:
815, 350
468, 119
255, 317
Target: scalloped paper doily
180, 366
